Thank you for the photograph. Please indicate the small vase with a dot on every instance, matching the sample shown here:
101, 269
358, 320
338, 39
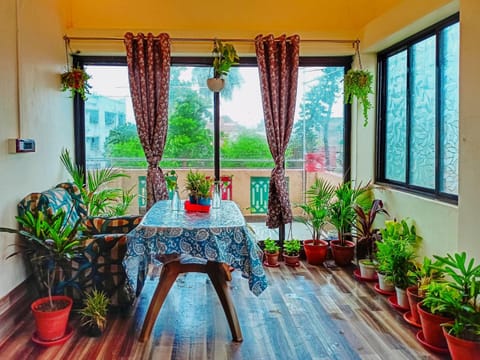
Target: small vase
176, 203
216, 198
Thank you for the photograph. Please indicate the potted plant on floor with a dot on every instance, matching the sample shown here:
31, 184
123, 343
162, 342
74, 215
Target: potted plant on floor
400, 241
93, 314
422, 275
316, 211
463, 277
366, 236
48, 241
224, 57
342, 216
291, 252
271, 251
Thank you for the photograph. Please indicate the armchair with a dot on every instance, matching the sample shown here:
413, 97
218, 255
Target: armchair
99, 264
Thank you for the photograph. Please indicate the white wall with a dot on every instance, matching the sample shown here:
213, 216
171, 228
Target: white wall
37, 110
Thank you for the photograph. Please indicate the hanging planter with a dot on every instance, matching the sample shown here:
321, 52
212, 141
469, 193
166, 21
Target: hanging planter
358, 84
75, 80
224, 56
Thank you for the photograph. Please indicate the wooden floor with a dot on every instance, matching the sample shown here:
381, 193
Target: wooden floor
307, 312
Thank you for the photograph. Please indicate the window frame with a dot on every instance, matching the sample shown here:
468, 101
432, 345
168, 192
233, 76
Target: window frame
251, 61
380, 161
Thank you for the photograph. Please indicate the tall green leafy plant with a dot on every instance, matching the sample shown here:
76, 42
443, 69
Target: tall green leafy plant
316, 208
98, 198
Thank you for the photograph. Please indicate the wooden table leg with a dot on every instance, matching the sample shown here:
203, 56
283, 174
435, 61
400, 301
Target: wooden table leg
168, 275
219, 276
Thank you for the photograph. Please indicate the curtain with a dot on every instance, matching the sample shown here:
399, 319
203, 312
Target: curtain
278, 69
148, 60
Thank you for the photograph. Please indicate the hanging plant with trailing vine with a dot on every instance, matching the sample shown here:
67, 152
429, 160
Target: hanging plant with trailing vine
359, 84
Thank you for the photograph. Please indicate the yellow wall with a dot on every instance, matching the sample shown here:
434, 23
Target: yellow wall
33, 104
32, 107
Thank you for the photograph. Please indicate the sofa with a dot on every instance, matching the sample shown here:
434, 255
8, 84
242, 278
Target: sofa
98, 264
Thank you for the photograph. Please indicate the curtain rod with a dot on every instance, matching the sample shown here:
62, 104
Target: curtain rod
68, 38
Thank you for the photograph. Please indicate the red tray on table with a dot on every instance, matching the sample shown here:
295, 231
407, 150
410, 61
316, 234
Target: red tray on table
196, 207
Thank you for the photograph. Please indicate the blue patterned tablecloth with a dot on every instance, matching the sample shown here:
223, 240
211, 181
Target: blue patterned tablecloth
220, 235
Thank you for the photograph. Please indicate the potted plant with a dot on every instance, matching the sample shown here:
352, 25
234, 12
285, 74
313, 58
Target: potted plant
271, 251
48, 241
204, 191
99, 199
422, 275
224, 57
75, 80
291, 252
463, 277
358, 84
192, 185
316, 211
399, 241
342, 216
93, 314
434, 311
367, 236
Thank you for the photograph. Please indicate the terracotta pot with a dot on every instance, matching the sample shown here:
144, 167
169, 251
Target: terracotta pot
402, 299
343, 255
51, 325
215, 84
291, 260
316, 254
432, 331
272, 259
384, 284
461, 349
413, 300
367, 270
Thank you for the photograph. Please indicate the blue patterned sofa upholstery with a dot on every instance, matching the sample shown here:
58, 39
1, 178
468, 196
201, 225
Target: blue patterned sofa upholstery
99, 264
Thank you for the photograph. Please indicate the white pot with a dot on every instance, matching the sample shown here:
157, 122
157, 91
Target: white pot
367, 271
383, 284
215, 84
402, 299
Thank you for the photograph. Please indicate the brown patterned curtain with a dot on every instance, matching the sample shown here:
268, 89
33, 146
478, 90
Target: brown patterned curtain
148, 60
278, 67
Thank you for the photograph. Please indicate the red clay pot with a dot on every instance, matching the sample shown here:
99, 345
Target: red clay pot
413, 300
272, 259
432, 331
51, 325
461, 349
316, 254
291, 260
343, 255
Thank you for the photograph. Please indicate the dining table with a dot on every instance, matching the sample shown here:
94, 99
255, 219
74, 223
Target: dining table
214, 242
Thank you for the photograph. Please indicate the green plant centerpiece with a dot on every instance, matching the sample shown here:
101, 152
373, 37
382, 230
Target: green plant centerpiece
93, 314
75, 80
224, 57
358, 84
99, 199
205, 190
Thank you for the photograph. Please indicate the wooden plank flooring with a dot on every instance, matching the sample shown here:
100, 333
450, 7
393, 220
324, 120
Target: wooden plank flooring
308, 312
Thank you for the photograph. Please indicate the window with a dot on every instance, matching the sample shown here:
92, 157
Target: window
92, 116
418, 112
318, 144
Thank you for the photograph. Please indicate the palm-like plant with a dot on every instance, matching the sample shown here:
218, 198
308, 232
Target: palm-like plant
316, 209
342, 214
98, 199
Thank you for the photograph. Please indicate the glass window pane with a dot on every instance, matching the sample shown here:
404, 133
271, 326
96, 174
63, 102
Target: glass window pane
422, 114
449, 95
396, 117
